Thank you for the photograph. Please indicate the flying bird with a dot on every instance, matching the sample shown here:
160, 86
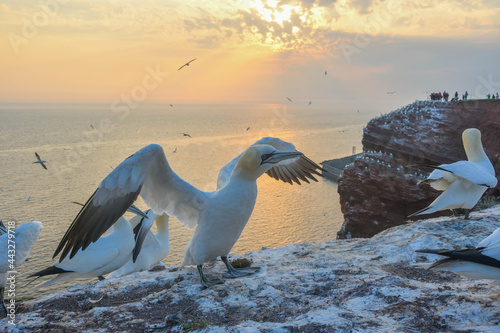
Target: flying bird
391, 92
186, 64
219, 216
26, 235
185, 134
154, 248
310, 102
326, 72
482, 262
463, 182
171, 106
39, 160
175, 150
248, 128
289, 99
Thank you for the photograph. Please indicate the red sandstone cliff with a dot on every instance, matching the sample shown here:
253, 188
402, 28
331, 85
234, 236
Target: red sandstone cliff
378, 190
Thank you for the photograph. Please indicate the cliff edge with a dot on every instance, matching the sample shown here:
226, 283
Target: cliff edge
357, 285
379, 189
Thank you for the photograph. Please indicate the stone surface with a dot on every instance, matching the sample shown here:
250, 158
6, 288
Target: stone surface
376, 284
379, 189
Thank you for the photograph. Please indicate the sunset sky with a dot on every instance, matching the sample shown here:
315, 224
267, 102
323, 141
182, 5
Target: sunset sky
76, 51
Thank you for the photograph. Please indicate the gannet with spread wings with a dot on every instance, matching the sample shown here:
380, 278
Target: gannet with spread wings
220, 216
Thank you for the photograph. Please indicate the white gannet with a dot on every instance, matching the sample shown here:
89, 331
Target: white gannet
482, 262
154, 248
39, 160
186, 64
106, 255
23, 237
463, 182
220, 216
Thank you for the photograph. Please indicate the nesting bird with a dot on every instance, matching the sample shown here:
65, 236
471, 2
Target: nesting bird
482, 262
154, 249
106, 255
219, 216
25, 237
463, 182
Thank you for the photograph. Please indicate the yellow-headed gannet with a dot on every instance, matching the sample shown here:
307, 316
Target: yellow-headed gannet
15, 252
186, 64
40, 161
220, 215
154, 248
463, 182
482, 262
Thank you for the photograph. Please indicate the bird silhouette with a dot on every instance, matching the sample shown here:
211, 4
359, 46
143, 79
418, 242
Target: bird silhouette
186, 64
40, 161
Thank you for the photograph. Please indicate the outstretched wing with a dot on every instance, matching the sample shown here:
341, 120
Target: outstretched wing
147, 173
469, 171
289, 171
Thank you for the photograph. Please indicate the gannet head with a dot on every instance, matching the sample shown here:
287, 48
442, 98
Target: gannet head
259, 158
471, 138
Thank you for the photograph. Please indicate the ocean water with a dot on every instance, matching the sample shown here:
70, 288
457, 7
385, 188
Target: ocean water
83, 143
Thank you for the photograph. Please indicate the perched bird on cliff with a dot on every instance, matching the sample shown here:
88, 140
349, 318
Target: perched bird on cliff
154, 249
40, 161
24, 237
104, 256
463, 182
482, 262
220, 216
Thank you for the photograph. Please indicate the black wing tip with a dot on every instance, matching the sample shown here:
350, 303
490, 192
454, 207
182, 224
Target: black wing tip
433, 251
52, 270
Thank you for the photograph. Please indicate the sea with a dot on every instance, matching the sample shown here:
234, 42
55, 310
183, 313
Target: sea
82, 143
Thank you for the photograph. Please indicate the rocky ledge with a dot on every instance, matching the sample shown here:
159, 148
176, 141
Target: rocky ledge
357, 285
378, 190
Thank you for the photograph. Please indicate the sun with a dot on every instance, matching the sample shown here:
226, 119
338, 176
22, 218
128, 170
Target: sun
271, 12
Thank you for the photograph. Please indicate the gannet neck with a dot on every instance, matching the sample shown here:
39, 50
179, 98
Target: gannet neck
162, 232
122, 225
473, 146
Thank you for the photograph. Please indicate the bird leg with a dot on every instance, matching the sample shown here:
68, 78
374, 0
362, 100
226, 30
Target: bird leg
207, 283
233, 273
3, 309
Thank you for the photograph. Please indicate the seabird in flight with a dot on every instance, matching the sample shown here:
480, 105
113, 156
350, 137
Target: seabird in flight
186, 64
185, 134
39, 160
219, 216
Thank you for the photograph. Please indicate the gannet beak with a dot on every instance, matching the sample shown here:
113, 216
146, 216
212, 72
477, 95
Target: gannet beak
135, 210
279, 156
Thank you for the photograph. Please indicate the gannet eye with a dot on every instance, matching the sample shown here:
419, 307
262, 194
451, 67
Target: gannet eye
264, 157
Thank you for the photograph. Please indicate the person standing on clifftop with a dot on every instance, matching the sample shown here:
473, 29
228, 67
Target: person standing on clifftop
466, 95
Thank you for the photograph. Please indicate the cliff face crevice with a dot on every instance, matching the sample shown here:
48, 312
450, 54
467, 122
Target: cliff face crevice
379, 189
